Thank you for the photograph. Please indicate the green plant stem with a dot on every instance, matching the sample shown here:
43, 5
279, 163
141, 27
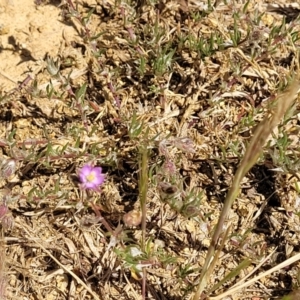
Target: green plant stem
143, 190
143, 200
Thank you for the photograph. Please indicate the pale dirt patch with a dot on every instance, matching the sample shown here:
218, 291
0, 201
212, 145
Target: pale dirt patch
28, 33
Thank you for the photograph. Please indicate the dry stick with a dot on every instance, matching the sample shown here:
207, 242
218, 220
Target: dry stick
263, 130
136, 296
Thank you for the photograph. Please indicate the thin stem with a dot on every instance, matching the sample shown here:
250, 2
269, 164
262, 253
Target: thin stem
143, 200
100, 218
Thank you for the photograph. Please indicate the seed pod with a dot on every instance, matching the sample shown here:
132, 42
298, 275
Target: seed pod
132, 218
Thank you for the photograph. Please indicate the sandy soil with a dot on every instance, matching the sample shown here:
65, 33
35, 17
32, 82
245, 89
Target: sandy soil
28, 34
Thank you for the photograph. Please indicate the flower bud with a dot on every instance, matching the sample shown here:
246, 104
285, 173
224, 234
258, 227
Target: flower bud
8, 168
132, 218
184, 144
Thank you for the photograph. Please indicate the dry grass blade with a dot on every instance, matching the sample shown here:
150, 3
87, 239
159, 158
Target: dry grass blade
281, 266
238, 285
261, 134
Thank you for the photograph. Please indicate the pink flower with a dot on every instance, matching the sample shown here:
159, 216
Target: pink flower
91, 177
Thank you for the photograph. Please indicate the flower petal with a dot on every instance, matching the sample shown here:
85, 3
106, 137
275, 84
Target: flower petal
91, 177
